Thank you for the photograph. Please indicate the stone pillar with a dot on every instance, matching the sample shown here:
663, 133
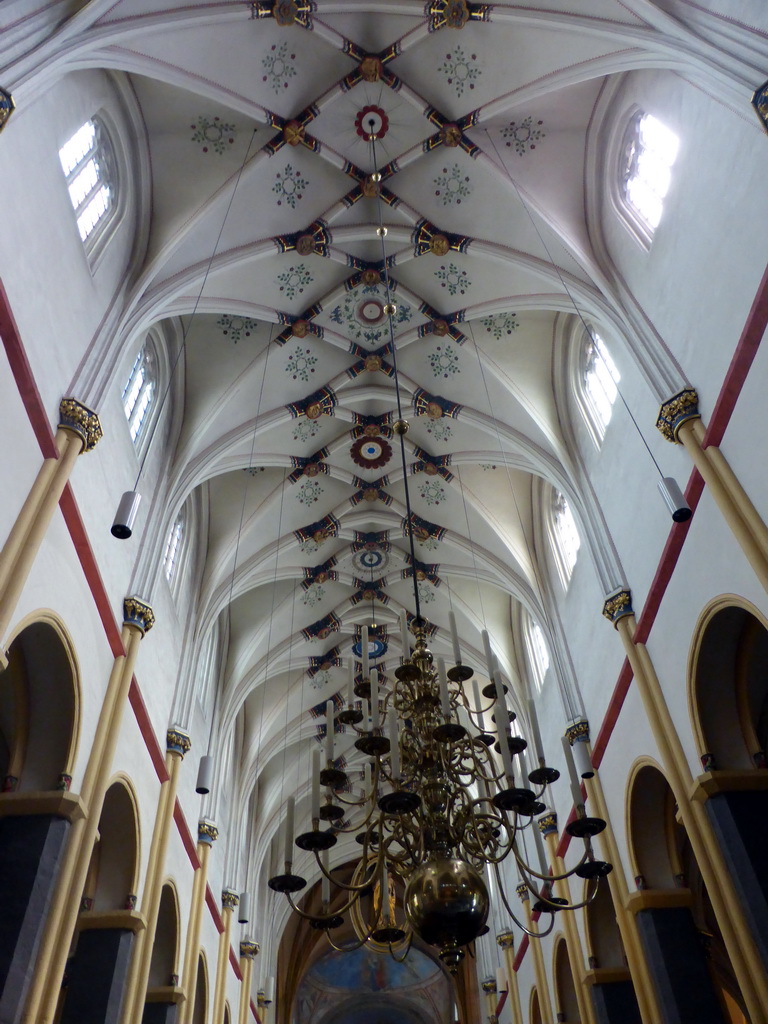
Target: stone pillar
33, 834
49, 970
548, 828
739, 941
248, 950
98, 972
229, 900
507, 942
263, 1004
489, 990
545, 1002
178, 744
613, 996
79, 431
207, 834
676, 957
679, 421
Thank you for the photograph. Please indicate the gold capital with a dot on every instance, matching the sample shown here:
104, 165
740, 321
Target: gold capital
7, 107
249, 950
618, 606
506, 940
578, 732
229, 899
548, 823
177, 740
138, 613
676, 411
522, 892
207, 831
81, 420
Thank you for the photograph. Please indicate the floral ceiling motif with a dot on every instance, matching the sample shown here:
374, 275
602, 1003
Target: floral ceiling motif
235, 327
306, 429
213, 134
312, 595
278, 66
444, 361
289, 186
301, 363
455, 280
523, 135
452, 185
432, 492
460, 70
294, 280
439, 429
502, 323
361, 313
309, 492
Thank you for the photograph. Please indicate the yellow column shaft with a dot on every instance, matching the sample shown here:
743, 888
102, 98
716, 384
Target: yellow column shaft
192, 948
730, 497
572, 939
737, 936
645, 991
138, 978
29, 531
534, 944
246, 969
513, 992
222, 964
66, 899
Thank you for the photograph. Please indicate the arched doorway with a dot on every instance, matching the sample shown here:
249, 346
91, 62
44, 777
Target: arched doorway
200, 1012
39, 727
565, 987
98, 968
534, 1015
672, 931
163, 991
728, 693
613, 994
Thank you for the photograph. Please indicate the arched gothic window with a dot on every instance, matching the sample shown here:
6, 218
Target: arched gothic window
87, 160
538, 653
649, 151
173, 548
565, 536
599, 382
139, 391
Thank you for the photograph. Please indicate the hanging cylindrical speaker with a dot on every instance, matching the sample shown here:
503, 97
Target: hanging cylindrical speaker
674, 499
204, 775
582, 760
244, 908
122, 527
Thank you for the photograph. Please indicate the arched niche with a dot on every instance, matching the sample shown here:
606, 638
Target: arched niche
728, 686
113, 873
605, 948
684, 948
534, 1014
200, 1012
39, 708
163, 968
565, 986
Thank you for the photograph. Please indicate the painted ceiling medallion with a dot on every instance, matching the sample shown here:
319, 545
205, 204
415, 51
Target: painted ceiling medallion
371, 452
376, 648
370, 560
372, 121
370, 311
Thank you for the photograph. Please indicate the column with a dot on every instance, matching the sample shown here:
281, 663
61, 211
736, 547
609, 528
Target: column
79, 431
679, 421
248, 950
545, 1003
207, 834
489, 989
229, 900
177, 744
548, 827
739, 941
263, 1004
507, 942
138, 619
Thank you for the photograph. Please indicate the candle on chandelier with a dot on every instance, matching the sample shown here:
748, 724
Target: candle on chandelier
329, 731
364, 650
539, 844
445, 702
374, 699
394, 745
539, 751
315, 785
573, 775
385, 892
502, 726
489, 658
405, 640
501, 981
290, 809
351, 683
454, 638
478, 704
326, 882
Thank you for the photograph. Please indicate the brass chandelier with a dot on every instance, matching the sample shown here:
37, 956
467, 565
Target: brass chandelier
438, 812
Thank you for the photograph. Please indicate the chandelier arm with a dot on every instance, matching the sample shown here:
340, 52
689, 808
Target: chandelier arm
343, 885
527, 931
347, 949
401, 959
548, 878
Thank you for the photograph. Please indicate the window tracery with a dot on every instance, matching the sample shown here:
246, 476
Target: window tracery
87, 160
173, 546
647, 156
565, 536
599, 379
139, 391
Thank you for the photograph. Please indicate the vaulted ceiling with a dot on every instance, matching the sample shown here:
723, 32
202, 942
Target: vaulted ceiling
264, 218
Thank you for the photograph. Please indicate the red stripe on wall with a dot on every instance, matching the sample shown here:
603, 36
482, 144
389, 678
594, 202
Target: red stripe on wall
148, 733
